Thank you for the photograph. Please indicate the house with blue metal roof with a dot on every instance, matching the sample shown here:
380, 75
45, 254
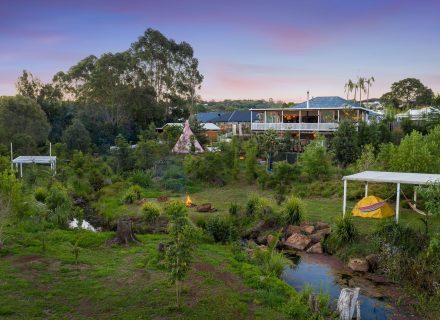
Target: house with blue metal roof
236, 122
304, 120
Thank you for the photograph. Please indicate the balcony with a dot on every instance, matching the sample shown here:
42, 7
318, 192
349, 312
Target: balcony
295, 126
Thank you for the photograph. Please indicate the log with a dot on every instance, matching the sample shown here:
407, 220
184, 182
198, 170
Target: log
124, 232
347, 303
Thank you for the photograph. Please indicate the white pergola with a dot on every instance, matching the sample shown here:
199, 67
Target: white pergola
50, 160
389, 177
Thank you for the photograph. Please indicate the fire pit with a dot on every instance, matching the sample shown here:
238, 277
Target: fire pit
188, 202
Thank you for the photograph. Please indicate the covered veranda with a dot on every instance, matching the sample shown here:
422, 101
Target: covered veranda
398, 178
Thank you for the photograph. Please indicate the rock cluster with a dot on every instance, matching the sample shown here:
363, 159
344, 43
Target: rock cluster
306, 237
369, 264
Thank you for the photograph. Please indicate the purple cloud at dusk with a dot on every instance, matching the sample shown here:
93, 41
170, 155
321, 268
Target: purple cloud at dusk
246, 49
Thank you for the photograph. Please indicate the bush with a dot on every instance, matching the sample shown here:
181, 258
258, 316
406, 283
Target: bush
41, 194
133, 193
218, 228
57, 197
315, 161
234, 209
252, 205
150, 211
294, 210
345, 231
205, 167
141, 178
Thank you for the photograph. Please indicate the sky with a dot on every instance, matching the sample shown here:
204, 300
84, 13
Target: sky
246, 49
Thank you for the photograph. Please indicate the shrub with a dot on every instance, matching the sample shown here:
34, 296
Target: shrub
296, 309
234, 209
218, 228
60, 216
57, 197
400, 236
133, 193
251, 161
271, 261
345, 231
252, 205
142, 178
315, 161
294, 210
41, 194
150, 211
205, 167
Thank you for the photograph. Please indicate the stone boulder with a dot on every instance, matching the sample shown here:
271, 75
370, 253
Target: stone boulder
308, 229
316, 248
321, 225
205, 207
261, 240
373, 262
360, 265
297, 241
319, 235
269, 239
291, 229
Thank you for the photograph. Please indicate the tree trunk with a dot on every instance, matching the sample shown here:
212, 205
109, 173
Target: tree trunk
347, 303
124, 232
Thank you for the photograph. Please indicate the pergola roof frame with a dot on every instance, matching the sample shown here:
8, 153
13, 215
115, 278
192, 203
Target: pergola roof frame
389, 177
20, 160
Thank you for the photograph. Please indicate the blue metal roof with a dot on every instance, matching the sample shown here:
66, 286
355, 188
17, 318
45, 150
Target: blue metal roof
328, 103
207, 116
234, 116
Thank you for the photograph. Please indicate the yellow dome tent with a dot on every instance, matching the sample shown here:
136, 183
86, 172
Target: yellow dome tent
372, 207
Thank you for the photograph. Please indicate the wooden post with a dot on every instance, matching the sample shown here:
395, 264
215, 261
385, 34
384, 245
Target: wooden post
344, 201
347, 303
415, 198
366, 188
397, 202
21, 170
338, 115
12, 158
319, 120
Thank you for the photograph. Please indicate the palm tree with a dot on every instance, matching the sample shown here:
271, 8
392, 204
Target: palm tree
369, 84
356, 87
361, 87
349, 86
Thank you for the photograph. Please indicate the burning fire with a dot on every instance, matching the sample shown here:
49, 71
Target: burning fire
188, 201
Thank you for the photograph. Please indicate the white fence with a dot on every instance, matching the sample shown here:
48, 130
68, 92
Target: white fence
295, 126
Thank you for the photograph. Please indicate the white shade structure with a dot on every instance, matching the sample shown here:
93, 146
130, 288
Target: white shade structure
389, 177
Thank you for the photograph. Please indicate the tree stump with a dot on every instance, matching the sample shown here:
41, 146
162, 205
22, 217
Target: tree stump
124, 232
314, 303
347, 303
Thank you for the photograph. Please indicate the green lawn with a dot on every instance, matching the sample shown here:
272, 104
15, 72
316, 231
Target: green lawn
318, 208
119, 282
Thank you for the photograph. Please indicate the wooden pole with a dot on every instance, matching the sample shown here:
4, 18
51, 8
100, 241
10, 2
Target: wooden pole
12, 158
344, 201
21, 170
397, 202
415, 198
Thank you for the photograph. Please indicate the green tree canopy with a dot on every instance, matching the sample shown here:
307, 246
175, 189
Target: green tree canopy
345, 144
22, 115
407, 93
76, 136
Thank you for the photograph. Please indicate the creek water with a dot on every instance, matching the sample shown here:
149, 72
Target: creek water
328, 277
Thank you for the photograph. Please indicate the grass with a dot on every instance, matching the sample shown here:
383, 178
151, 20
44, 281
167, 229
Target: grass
326, 209
119, 282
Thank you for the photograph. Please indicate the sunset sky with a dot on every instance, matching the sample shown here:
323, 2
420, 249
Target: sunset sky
247, 49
